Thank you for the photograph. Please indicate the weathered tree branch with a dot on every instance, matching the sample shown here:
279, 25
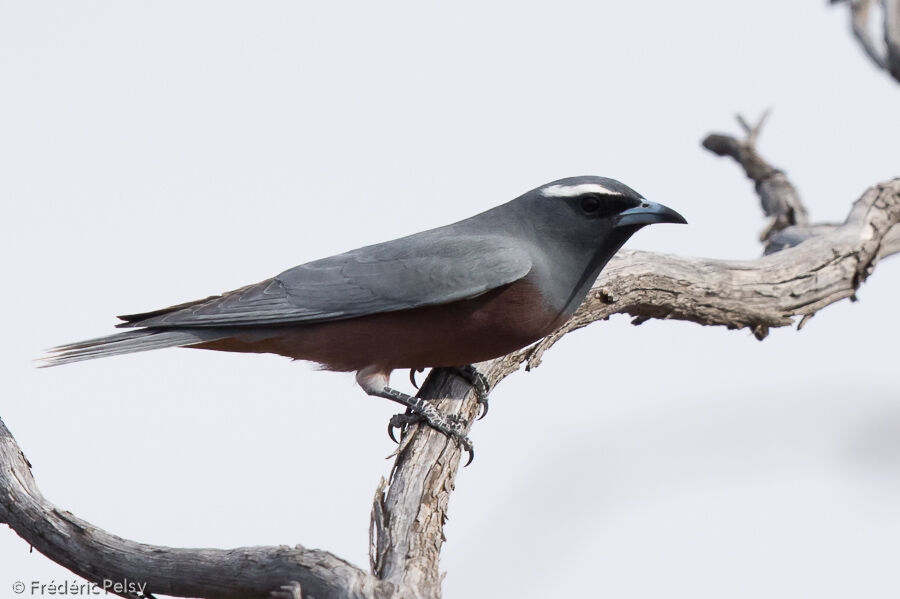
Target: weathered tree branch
859, 24
779, 197
892, 36
826, 264
98, 556
860, 10
409, 513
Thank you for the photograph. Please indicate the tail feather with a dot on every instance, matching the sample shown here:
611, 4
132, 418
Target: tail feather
124, 343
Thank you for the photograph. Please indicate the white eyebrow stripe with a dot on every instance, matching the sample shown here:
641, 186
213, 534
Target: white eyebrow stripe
569, 191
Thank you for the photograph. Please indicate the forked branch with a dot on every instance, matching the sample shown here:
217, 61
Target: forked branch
778, 196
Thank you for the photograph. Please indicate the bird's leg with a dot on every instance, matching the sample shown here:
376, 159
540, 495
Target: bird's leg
375, 382
479, 383
471, 375
420, 410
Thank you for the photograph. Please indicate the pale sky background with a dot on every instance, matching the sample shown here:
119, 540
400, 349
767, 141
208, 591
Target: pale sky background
154, 153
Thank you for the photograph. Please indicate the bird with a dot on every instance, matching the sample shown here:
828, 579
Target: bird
447, 297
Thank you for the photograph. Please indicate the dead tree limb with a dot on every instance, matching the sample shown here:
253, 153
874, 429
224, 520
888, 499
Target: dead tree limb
410, 509
888, 58
778, 196
892, 36
780, 200
103, 558
859, 24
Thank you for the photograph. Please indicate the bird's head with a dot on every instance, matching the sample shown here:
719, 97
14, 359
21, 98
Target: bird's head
587, 219
601, 203
590, 214
578, 224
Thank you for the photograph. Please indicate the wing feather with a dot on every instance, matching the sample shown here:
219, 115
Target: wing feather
407, 273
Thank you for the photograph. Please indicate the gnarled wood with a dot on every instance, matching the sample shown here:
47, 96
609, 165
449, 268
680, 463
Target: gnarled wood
778, 196
98, 556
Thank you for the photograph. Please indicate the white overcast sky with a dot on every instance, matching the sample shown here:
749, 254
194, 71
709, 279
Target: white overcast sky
152, 153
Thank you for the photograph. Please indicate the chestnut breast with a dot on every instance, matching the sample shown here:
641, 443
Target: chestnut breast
480, 328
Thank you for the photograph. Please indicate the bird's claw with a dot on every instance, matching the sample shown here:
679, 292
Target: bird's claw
479, 383
449, 425
412, 376
467, 446
391, 427
483, 402
401, 422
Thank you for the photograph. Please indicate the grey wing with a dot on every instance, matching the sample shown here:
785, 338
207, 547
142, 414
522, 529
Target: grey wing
398, 275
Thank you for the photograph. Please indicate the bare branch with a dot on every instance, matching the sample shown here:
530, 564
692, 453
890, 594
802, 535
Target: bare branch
752, 131
892, 36
860, 24
100, 557
778, 196
409, 515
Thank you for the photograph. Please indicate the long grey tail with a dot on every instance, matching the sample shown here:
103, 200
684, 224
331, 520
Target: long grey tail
126, 343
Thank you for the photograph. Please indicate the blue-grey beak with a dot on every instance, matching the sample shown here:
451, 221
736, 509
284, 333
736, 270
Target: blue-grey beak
648, 213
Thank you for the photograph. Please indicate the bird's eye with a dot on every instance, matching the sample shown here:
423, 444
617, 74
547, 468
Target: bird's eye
590, 204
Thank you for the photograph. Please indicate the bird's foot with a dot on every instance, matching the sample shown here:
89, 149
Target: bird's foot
418, 410
479, 383
401, 422
471, 375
